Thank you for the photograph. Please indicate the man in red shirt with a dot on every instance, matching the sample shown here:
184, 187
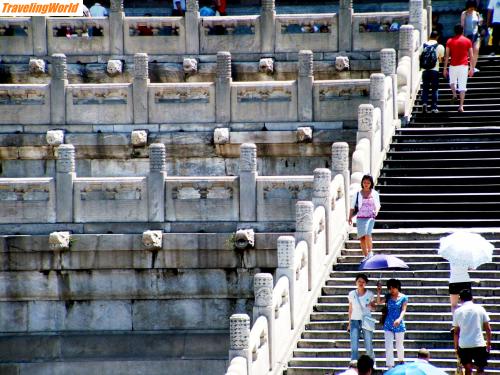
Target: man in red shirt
459, 48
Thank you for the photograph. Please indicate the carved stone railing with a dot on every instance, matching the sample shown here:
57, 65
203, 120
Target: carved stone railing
374, 31
16, 36
238, 34
25, 104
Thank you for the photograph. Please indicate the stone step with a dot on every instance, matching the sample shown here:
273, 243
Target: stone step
438, 316
430, 299
412, 307
449, 131
441, 162
429, 266
424, 172
429, 282
411, 325
451, 145
479, 118
460, 223
442, 213
443, 154
443, 198
377, 343
408, 258
428, 234
443, 188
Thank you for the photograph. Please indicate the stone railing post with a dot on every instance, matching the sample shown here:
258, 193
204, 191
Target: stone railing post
305, 86
345, 25
377, 99
156, 182
321, 197
239, 341
406, 48
340, 165
417, 19
191, 24
286, 267
58, 89
39, 37
248, 182
267, 26
116, 21
263, 306
428, 8
365, 130
65, 175
223, 87
304, 211
140, 88
388, 67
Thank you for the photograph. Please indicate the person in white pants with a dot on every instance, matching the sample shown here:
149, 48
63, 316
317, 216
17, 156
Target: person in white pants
394, 325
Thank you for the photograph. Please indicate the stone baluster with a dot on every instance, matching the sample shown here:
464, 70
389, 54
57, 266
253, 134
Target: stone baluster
305, 86
365, 129
428, 8
239, 338
321, 197
140, 88
345, 25
65, 176
304, 232
191, 24
58, 89
263, 306
156, 182
116, 21
407, 48
388, 67
39, 35
340, 165
223, 87
417, 19
286, 267
248, 182
377, 99
267, 26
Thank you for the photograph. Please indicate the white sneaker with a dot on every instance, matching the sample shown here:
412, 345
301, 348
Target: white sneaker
370, 254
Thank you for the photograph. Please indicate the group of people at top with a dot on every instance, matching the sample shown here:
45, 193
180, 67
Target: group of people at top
469, 320
460, 56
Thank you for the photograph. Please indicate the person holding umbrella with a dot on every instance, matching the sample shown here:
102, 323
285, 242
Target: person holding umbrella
394, 325
365, 206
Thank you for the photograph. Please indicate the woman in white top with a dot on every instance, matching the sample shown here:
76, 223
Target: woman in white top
459, 280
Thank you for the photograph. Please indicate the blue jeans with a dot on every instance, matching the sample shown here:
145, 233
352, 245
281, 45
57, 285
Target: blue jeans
430, 80
368, 339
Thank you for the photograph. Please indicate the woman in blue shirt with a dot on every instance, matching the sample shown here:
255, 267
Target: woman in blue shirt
394, 325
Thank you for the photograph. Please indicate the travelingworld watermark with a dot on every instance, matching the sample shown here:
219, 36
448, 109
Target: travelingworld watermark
25, 8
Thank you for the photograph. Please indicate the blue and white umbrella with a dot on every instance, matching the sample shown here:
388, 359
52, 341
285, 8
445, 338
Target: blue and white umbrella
466, 249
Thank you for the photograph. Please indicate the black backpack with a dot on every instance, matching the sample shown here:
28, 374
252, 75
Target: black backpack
428, 57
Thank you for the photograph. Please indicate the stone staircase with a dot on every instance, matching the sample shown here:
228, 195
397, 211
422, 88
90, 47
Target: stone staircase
442, 171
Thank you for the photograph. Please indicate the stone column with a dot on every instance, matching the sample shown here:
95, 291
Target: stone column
305, 86
304, 232
39, 37
248, 182
192, 29
406, 48
286, 267
156, 182
58, 89
428, 8
116, 21
417, 19
65, 175
377, 99
365, 129
388, 66
223, 87
140, 88
263, 306
267, 26
321, 197
345, 25
239, 341
340, 165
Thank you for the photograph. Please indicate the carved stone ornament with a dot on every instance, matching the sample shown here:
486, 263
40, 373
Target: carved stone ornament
139, 138
286, 250
223, 64
304, 134
114, 67
192, 6
55, 137
152, 239
141, 66
406, 41
340, 157
388, 61
190, 65
321, 182
365, 117
263, 289
66, 159
157, 155
221, 136
304, 216
248, 157
116, 5
59, 240
244, 239
266, 65
268, 5
37, 66
59, 66
377, 86
305, 63
341, 63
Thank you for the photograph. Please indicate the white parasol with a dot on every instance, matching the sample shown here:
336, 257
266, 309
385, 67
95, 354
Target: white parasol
466, 249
